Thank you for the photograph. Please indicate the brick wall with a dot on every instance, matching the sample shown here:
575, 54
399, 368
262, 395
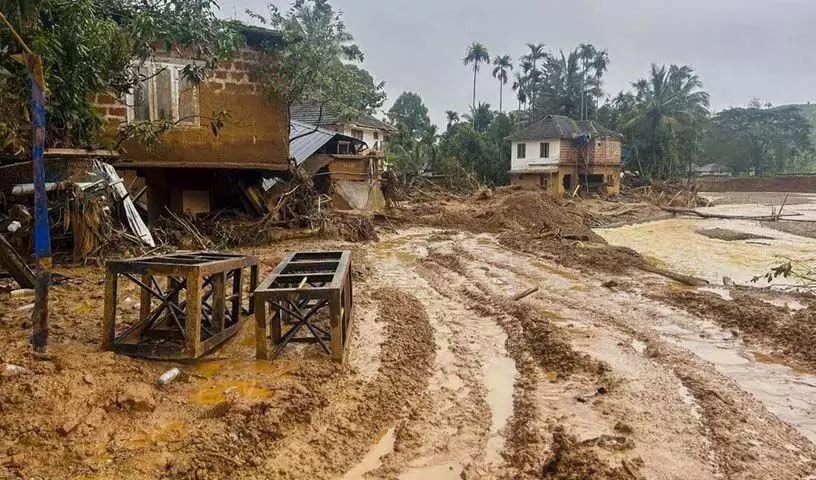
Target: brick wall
603, 151
256, 132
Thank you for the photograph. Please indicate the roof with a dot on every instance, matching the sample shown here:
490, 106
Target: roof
305, 140
557, 126
312, 114
710, 167
255, 35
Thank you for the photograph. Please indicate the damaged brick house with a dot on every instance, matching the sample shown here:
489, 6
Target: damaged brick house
558, 154
191, 169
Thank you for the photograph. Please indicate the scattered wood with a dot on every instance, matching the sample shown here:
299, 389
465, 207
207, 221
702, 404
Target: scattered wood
760, 218
525, 294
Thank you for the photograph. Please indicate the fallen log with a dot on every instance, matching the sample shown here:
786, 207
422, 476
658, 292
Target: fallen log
15, 265
677, 277
760, 218
525, 294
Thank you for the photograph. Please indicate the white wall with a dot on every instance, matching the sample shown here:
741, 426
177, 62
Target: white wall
532, 158
368, 135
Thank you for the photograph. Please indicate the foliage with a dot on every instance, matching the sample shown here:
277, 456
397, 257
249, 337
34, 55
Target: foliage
89, 47
759, 140
476, 54
313, 66
503, 66
480, 145
662, 119
413, 144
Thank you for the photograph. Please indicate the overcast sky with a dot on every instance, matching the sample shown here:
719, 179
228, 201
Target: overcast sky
741, 49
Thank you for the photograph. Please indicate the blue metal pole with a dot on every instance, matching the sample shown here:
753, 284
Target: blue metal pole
42, 236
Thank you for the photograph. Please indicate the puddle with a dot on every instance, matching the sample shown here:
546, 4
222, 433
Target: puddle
446, 471
373, 459
675, 244
499, 376
213, 392
787, 393
171, 433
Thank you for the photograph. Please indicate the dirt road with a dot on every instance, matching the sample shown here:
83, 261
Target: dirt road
448, 378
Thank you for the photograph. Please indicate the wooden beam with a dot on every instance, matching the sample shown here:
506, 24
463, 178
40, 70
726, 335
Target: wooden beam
15, 265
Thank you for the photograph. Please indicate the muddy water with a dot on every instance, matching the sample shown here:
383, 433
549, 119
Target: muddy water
787, 393
472, 373
676, 244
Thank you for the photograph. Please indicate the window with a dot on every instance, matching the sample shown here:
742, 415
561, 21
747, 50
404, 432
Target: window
358, 134
521, 150
163, 94
545, 150
376, 135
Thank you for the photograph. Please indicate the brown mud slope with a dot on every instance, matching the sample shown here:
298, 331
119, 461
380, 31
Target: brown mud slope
530, 221
791, 333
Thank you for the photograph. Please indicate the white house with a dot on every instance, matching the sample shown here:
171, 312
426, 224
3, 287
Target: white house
361, 126
558, 154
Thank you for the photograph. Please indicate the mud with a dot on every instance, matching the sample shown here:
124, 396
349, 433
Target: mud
730, 235
786, 332
606, 372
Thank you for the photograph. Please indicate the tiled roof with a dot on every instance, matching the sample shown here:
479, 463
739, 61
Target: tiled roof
557, 126
311, 113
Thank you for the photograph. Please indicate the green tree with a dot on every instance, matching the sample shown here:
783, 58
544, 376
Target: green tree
413, 144
476, 54
452, 117
480, 118
520, 87
503, 66
571, 84
316, 65
529, 65
88, 48
759, 140
669, 104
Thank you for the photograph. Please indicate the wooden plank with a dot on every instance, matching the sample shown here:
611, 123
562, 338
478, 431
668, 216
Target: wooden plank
261, 344
253, 285
219, 301
281, 167
109, 313
192, 322
336, 314
237, 293
15, 265
146, 299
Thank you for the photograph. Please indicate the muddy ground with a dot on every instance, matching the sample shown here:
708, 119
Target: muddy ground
607, 371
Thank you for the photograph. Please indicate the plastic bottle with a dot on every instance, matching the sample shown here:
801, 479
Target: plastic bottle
169, 376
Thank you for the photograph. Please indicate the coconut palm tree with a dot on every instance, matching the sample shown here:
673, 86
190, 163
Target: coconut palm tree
476, 54
453, 118
671, 99
537, 52
520, 87
503, 66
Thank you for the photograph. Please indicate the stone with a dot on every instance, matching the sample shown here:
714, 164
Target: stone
137, 397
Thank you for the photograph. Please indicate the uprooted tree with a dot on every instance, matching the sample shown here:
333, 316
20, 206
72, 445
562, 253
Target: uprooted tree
92, 47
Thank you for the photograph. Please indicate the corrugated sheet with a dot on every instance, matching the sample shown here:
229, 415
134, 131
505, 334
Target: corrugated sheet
304, 147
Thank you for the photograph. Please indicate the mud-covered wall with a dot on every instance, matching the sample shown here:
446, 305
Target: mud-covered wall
256, 131
801, 184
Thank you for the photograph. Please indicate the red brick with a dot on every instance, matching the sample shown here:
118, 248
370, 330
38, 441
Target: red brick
117, 111
105, 99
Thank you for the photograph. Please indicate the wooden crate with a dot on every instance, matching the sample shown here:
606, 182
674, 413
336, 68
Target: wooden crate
169, 327
303, 284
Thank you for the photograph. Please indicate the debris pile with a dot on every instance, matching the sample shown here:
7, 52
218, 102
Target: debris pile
91, 219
